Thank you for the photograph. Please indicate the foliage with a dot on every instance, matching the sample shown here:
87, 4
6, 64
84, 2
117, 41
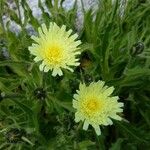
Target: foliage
36, 109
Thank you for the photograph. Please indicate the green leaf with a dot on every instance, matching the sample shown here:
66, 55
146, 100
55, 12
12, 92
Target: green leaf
130, 131
85, 144
117, 145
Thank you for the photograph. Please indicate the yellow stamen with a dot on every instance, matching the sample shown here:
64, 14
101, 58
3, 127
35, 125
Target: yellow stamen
53, 54
91, 106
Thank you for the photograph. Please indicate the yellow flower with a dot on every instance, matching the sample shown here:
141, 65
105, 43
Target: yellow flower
95, 106
56, 48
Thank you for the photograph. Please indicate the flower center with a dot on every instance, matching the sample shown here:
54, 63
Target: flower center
53, 54
92, 106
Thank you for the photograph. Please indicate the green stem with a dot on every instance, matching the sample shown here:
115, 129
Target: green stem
106, 66
100, 142
26, 140
4, 145
14, 96
56, 5
128, 64
1, 15
82, 4
79, 126
19, 12
82, 77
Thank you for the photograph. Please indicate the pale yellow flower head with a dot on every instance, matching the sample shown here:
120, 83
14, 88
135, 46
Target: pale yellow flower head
95, 106
56, 48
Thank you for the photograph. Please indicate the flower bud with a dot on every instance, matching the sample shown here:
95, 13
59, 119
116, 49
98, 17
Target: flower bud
14, 135
137, 49
40, 93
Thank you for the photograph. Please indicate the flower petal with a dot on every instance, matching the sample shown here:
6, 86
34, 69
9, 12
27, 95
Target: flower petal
97, 129
85, 125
